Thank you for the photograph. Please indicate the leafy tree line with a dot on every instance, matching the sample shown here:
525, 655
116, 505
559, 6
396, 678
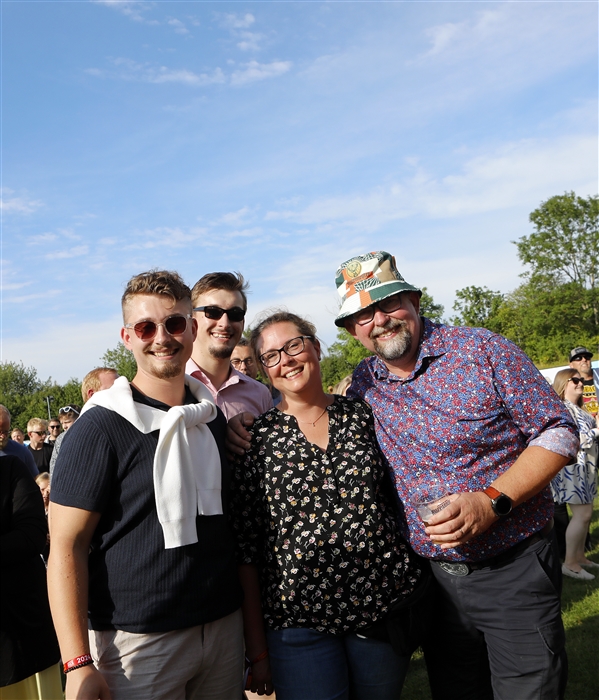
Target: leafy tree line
554, 309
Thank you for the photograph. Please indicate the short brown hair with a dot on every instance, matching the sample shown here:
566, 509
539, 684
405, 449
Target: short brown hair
92, 380
561, 379
163, 282
304, 327
231, 281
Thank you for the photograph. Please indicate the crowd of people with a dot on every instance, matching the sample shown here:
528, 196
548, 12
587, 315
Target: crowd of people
209, 532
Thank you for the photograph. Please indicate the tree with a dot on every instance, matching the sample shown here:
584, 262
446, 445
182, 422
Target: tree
120, 359
565, 244
428, 307
477, 307
344, 355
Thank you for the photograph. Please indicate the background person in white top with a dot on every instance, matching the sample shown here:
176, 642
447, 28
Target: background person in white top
219, 305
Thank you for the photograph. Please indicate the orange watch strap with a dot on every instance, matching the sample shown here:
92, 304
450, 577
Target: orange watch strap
492, 492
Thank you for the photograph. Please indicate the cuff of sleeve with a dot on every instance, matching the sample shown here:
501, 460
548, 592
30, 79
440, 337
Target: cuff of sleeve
558, 440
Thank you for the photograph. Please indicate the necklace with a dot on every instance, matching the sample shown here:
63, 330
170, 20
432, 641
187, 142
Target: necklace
309, 421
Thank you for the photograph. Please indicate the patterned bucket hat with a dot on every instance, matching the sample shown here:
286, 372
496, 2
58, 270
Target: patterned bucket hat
366, 279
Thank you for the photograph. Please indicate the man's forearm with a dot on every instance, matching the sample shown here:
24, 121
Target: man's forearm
530, 473
67, 590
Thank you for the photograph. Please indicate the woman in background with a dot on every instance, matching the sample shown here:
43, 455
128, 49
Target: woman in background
576, 483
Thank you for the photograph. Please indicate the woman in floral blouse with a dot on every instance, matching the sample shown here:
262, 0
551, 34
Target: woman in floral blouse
576, 484
315, 515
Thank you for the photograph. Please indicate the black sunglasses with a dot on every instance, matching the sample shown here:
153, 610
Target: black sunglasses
575, 380
146, 330
234, 314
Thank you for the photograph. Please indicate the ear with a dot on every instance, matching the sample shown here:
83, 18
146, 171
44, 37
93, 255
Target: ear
317, 348
126, 338
414, 297
90, 393
350, 327
194, 327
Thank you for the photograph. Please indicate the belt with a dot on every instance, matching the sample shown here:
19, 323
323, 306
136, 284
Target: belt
463, 568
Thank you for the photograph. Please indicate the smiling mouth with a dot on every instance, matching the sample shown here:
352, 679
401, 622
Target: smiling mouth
293, 373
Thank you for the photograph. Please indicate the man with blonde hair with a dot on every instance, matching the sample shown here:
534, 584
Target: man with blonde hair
98, 379
141, 550
41, 451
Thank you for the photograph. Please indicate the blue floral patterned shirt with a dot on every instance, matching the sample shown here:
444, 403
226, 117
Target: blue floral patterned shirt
472, 404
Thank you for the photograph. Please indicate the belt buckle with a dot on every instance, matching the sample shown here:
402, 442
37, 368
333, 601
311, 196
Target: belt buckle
457, 569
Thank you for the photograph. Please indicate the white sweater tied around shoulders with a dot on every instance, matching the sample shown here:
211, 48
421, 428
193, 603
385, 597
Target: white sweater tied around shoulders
187, 468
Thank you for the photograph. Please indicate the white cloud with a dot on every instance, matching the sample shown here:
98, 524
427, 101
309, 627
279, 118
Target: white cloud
42, 238
31, 297
130, 8
178, 26
165, 237
236, 21
252, 71
234, 218
259, 71
10, 286
75, 252
14, 204
513, 174
249, 41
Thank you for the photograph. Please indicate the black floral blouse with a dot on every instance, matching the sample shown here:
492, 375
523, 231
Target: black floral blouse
321, 527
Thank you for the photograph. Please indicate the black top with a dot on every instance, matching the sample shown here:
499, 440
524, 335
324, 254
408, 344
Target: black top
42, 457
321, 526
136, 584
27, 640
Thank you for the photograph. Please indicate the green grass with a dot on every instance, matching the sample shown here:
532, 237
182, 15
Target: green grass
580, 605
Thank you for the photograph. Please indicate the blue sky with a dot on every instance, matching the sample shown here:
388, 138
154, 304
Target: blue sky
277, 139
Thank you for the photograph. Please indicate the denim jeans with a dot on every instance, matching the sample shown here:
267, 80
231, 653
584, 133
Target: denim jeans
309, 665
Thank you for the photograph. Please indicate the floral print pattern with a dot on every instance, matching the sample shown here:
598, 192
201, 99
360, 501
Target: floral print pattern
321, 526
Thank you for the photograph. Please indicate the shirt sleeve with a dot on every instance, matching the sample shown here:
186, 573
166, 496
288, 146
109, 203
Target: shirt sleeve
248, 503
85, 467
535, 408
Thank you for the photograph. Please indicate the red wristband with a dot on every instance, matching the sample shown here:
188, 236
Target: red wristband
78, 662
261, 656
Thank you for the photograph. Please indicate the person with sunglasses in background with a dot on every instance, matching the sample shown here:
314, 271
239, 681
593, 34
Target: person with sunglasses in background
67, 415
576, 484
219, 306
141, 548
37, 429
54, 430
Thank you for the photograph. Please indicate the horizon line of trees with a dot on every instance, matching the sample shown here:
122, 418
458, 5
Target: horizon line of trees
554, 309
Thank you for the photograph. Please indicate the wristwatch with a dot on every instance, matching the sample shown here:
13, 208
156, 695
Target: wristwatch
501, 504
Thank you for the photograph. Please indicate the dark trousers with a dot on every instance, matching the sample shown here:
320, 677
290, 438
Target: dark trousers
498, 632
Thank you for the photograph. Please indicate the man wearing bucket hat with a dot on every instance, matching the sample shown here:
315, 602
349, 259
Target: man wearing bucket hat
580, 360
466, 409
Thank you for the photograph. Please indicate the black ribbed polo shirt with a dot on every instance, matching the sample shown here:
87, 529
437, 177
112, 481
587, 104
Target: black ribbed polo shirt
135, 584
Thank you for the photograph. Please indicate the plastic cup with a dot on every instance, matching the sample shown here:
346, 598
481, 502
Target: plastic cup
429, 500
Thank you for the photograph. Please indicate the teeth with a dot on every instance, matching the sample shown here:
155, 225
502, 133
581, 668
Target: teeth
292, 374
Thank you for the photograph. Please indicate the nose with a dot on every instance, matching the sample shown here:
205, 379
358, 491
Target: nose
161, 334
380, 317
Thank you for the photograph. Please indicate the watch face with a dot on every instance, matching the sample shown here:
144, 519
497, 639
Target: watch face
502, 505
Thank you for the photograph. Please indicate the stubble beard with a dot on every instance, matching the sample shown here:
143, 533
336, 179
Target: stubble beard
395, 348
220, 352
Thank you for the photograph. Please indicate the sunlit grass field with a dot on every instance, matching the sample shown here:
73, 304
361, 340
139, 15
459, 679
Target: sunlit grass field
580, 605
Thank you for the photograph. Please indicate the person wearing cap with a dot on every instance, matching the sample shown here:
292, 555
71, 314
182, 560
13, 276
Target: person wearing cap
466, 408
580, 360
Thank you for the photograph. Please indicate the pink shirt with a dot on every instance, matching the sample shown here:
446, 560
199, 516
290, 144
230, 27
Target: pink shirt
237, 394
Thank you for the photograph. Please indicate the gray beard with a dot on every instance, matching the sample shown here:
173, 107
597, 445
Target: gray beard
396, 348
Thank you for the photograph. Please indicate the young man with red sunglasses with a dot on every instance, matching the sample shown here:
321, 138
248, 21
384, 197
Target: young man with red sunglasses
219, 305
141, 551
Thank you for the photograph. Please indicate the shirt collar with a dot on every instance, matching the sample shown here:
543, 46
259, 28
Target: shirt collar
432, 344
234, 377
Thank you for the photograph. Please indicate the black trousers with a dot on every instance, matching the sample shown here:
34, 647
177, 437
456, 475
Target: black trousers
498, 632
